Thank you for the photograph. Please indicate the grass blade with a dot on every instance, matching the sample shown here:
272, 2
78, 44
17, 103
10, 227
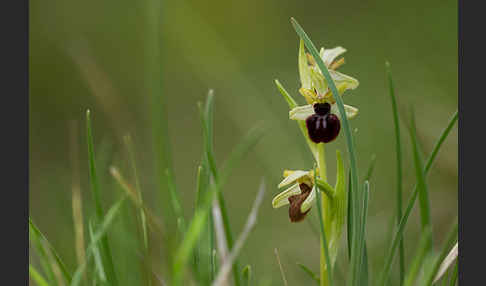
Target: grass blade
454, 274
418, 260
246, 275
403, 221
282, 272
350, 215
97, 238
176, 201
424, 201
40, 239
76, 198
99, 269
311, 274
398, 146
323, 233
371, 168
143, 220
37, 277
362, 249
442, 262
95, 188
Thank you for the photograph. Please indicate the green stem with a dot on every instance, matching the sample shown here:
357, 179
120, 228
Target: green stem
325, 202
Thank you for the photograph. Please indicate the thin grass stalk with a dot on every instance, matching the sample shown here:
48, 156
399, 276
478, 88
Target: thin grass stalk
95, 188
398, 149
37, 277
424, 201
76, 198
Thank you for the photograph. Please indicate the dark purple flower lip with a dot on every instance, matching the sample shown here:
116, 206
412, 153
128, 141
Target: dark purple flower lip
323, 126
296, 201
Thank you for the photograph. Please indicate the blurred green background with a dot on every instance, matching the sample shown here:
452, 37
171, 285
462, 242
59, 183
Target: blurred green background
94, 54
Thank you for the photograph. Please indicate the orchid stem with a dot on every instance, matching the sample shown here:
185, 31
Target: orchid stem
325, 202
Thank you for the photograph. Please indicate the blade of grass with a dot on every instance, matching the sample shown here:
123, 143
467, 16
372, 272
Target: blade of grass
371, 168
446, 263
323, 233
44, 260
398, 149
424, 201
454, 274
363, 271
207, 127
176, 201
359, 274
434, 275
246, 275
37, 235
311, 274
197, 253
37, 277
249, 225
403, 221
97, 238
282, 273
76, 198
418, 260
143, 220
95, 188
99, 269
349, 224
357, 211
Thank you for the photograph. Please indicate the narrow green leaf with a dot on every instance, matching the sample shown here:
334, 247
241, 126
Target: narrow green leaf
99, 269
420, 255
371, 168
98, 236
206, 118
246, 275
325, 187
323, 233
176, 201
95, 188
451, 239
398, 150
38, 238
349, 223
362, 236
424, 201
311, 274
403, 221
290, 100
138, 189
37, 277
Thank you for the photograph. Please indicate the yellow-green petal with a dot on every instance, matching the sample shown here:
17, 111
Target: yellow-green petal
294, 176
351, 111
301, 112
343, 82
329, 55
282, 198
304, 72
306, 205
